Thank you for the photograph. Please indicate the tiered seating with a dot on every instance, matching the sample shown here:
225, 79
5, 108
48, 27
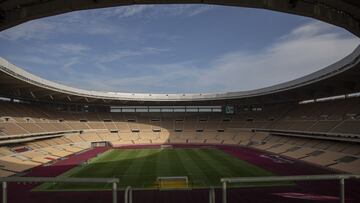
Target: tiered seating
31, 127
167, 124
280, 148
70, 148
90, 137
129, 136
75, 138
105, 135
4, 173
351, 167
12, 129
299, 152
122, 142
201, 128
110, 125
226, 137
56, 151
212, 138
348, 126
259, 137
324, 125
147, 138
242, 138
5, 151
16, 163
164, 137
40, 156
325, 153
206, 123
325, 159
96, 125
49, 127
81, 145
77, 125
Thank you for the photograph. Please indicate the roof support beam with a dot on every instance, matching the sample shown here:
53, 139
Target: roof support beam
33, 95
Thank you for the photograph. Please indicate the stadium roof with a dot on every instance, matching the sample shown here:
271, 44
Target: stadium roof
343, 13
339, 78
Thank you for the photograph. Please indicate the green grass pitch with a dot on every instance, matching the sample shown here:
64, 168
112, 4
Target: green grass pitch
140, 168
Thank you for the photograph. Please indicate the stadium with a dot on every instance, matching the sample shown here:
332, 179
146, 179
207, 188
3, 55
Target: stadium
297, 141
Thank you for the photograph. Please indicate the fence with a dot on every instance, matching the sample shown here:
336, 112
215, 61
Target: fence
113, 181
341, 179
128, 195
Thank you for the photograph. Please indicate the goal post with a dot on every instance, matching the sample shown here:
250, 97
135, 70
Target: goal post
166, 146
173, 182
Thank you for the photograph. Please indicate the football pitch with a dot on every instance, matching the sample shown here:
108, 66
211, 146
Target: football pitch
140, 168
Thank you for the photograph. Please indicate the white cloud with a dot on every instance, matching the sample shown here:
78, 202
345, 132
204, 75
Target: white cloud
28, 31
304, 50
46, 28
53, 52
96, 22
69, 63
164, 77
127, 11
118, 55
33, 59
309, 30
71, 48
200, 10
155, 10
184, 10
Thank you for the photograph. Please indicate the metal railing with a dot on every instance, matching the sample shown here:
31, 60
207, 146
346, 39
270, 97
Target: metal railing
341, 179
128, 195
212, 195
113, 181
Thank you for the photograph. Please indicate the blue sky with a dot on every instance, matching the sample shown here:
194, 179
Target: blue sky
174, 48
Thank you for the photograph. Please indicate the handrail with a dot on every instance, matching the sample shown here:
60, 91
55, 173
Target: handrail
288, 178
128, 195
340, 177
212, 195
62, 180
5, 180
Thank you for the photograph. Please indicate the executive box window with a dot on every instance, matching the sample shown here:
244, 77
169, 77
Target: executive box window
166, 109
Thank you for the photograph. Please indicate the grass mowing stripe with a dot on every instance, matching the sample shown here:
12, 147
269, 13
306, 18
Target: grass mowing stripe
242, 167
133, 171
115, 166
220, 166
88, 166
104, 169
177, 168
104, 157
140, 168
163, 164
72, 173
236, 165
213, 175
123, 162
109, 167
193, 171
147, 176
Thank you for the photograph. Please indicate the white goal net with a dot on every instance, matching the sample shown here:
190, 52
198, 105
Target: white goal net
173, 182
166, 146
